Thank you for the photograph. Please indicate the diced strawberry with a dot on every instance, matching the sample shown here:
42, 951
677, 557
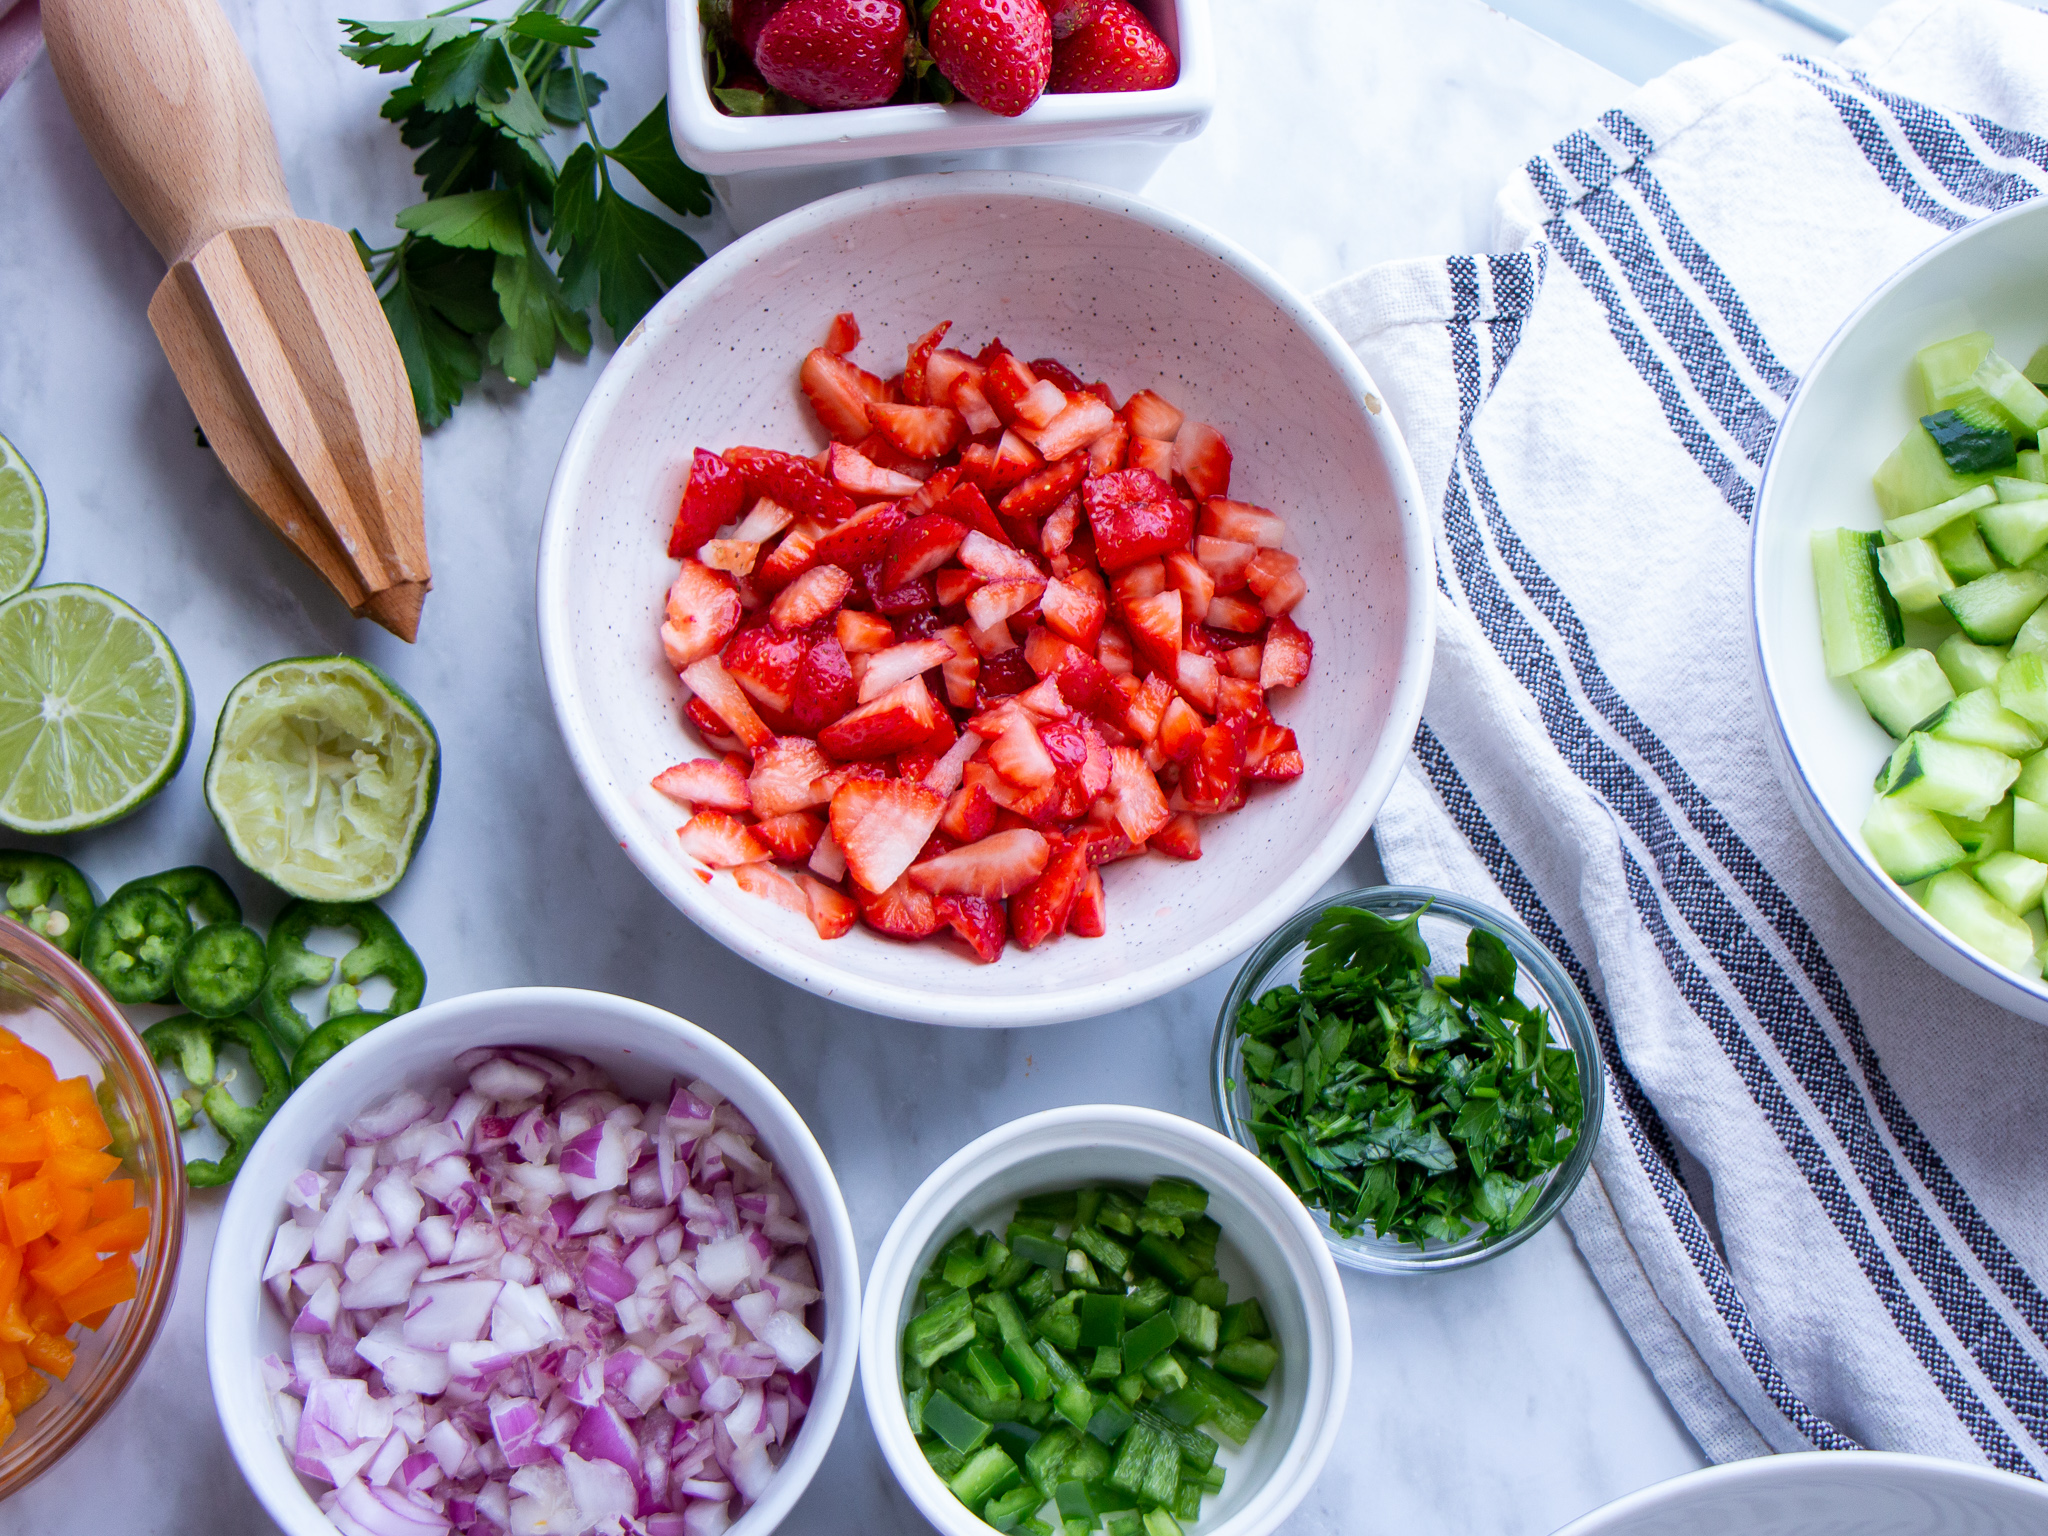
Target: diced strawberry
1133, 514
1212, 777
831, 910
716, 733
1181, 837
1088, 917
1041, 406
1152, 417
1007, 379
1039, 911
1135, 795
978, 465
766, 518
1241, 661
862, 538
1052, 368
941, 370
993, 560
1202, 459
1148, 709
1240, 522
1076, 608
1180, 731
938, 485
920, 547
1002, 676
1187, 576
839, 392
970, 400
1285, 661
1056, 534
703, 609
962, 675
1271, 754
863, 633
716, 689
1150, 455
995, 601
982, 923
854, 472
966, 506
1043, 700
793, 482
771, 885
736, 557
915, 362
1115, 652
993, 641
712, 497
764, 661
922, 431
970, 814
1235, 615
1237, 696
995, 866
902, 911
1155, 627
1226, 560
1145, 579
1019, 755
1197, 677
1080, 421
1275, 579
705, 783
896, 601
1106, 454
792, 838
843, 334
901, 718
1035, 495
1087, 684
812, 596
953, 584
718, 840
788, 776
881, 827
899, 663
791, 557
1015, 460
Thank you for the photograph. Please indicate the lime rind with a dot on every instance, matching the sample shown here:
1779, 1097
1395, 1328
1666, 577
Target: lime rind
95, 709
24, 522
323, 776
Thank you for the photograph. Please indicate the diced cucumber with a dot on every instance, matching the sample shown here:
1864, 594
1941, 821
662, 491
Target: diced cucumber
1908, 843
1975, 436
2033, 780
2004, 386
2023, 688
1916, 476
1859, 622
1988, 834
1901, 692
1931, 520
1915, 575
1978, 719
1963, 551
2031, 467
1980, 920
1990, 609
1945, 368
2016, 530
2019, 488
2016, 880
2029, 827
2032, 640
1969, 665
1949, 776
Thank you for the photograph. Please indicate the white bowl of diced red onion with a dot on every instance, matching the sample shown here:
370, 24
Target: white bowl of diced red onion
533, 1260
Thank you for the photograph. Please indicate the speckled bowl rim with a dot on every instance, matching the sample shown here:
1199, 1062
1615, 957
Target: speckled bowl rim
932, 1004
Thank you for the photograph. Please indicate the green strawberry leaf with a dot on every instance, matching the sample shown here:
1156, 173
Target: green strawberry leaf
741, 103
476, 221
650, 154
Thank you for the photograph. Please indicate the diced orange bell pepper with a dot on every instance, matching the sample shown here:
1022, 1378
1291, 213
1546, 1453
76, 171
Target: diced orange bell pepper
22, 1142
115, 1283
14, 1327
68, 1266
51, 1352
23, 1067
74, 1210
13, 1107
42, 1312
10, 1275
78, 1167
117, 1234
96, 1319
25, 1391
31, 1210
112, 1198
70, 1116
6, 1418
13, 1361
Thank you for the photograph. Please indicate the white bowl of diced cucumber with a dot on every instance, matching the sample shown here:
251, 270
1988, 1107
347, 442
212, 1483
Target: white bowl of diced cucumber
1900, 584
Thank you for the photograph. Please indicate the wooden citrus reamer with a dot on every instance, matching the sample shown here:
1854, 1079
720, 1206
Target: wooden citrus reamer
268, 320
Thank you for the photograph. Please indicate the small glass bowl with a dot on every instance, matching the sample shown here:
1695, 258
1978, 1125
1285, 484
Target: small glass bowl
1444, 927
50, 1002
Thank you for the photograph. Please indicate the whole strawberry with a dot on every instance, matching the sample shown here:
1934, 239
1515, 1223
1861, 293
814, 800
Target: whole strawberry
749, 17
835, 53
997, 53
1115, 50
1068, 16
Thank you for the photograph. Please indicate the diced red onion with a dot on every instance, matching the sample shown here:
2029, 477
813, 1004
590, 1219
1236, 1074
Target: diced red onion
389, 1117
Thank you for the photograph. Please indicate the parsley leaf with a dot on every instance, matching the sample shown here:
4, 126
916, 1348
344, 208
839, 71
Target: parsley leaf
614, 253
650, 154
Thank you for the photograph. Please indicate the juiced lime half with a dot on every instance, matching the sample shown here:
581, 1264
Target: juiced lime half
95, 712
24, 522
323, 776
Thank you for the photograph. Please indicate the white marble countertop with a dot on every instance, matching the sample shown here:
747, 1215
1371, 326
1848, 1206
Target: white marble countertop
1505, 1399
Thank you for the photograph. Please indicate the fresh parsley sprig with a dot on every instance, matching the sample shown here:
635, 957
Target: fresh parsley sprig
1419, 1107
467, 284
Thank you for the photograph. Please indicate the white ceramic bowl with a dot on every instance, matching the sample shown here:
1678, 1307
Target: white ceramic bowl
1854, 406
642, 1048
1270, 1249
1130, 294
764, 166
1828, 1493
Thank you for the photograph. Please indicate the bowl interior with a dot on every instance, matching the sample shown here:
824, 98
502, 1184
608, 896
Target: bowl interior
1123, 293
642, 1049
54, 1007
1446, 927
1851, 411
1260, 1254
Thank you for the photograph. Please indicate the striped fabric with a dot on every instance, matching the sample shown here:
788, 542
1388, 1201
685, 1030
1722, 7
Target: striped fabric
1821, 1200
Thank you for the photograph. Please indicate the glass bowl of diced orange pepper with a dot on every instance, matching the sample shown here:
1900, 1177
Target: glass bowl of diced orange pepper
92, 1204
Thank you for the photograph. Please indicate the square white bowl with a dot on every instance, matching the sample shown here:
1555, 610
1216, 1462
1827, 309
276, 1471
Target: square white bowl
1128, 293
764, 166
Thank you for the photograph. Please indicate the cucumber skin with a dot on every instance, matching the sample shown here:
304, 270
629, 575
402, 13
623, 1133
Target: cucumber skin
1859, 623
1992, 609
1908, 843
1936, 775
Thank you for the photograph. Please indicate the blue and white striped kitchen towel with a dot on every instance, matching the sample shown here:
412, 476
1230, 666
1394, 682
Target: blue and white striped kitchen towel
1822, 1198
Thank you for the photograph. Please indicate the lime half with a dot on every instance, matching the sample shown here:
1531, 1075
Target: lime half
24, 522
95, 711
323, 776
